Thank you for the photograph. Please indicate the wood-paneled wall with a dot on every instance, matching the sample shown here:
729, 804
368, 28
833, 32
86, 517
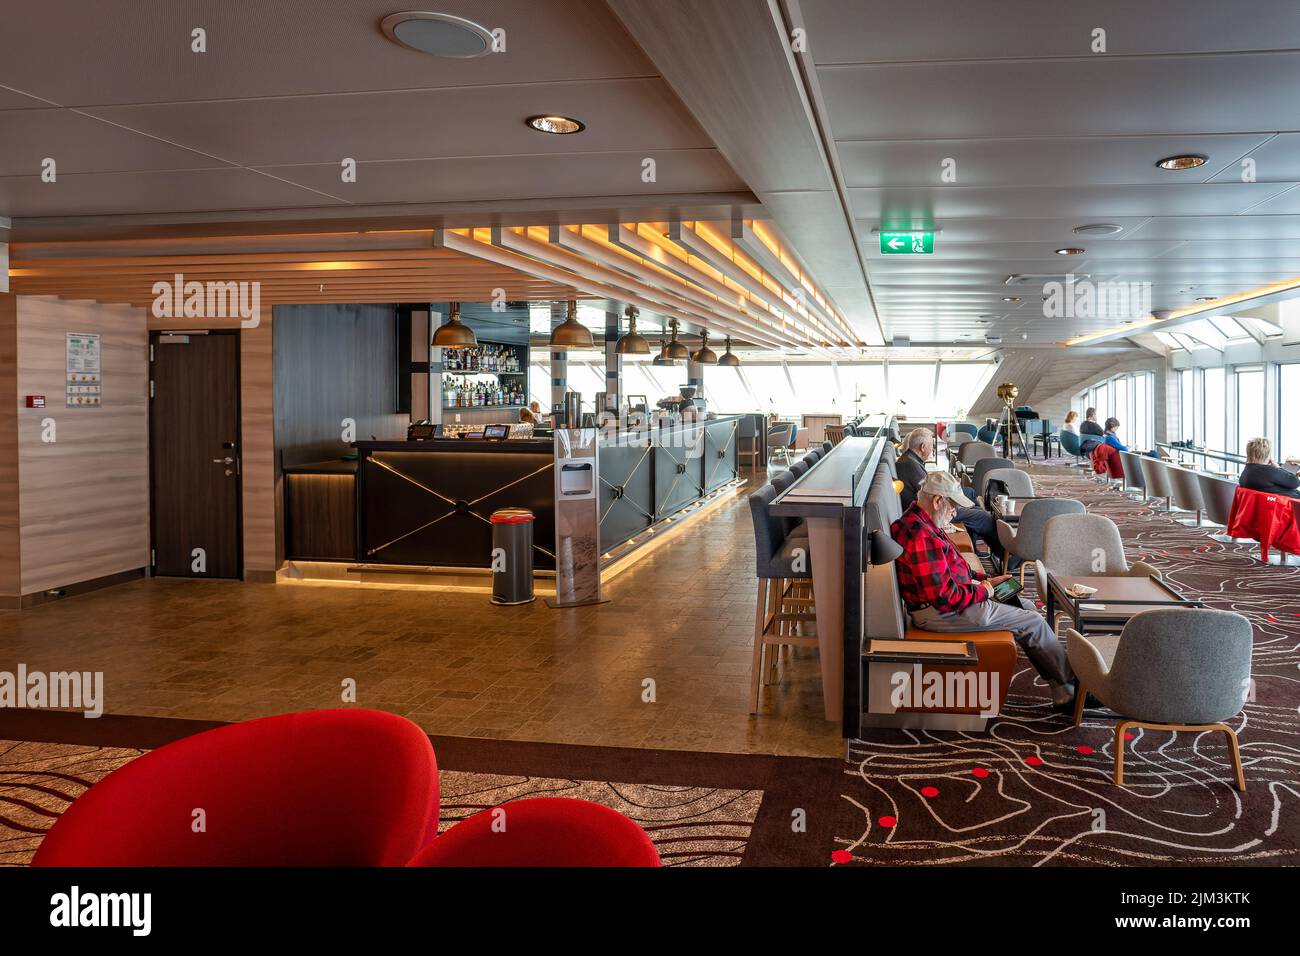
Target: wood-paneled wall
263, 513
9, 537
84, 497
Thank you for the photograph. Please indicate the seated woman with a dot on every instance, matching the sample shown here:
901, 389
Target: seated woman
1262, 474
1111, 439
1071, 422
526, 415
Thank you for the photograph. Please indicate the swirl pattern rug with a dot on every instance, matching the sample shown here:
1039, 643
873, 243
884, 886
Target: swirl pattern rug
1034, 790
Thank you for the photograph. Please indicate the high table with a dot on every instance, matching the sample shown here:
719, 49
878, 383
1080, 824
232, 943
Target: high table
1121, 597
829, 497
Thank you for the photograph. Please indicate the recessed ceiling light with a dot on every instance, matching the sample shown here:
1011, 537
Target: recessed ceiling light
1206, 298
556, 124
1098, 229
1070, 251
438, 34
1011, 298
1185, 161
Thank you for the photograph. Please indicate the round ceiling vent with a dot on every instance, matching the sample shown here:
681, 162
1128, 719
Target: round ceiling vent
1098, 229
438, 34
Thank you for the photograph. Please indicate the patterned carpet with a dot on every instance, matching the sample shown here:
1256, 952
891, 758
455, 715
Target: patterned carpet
1034, 790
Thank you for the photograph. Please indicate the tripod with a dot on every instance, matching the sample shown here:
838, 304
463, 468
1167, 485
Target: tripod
1009, 422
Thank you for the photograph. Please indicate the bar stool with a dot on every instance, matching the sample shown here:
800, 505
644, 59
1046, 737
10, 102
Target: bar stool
783, 563
800, 466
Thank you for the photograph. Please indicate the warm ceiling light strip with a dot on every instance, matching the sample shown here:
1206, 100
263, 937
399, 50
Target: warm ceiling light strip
451, 239
618, 258
1204, 309
715, 314
691, 237
753, 238
626, 237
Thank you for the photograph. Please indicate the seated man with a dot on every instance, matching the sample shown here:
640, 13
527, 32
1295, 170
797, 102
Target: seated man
942, 596
1260, 473
1090, 433
918, 447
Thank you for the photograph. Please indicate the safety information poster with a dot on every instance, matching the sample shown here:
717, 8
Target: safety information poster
83, 370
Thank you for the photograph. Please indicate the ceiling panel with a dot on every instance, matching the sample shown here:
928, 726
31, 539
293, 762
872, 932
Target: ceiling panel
485, 121
1098, 96
1042, 162
101, 194
521, 177
852, 31
80, 144
139, 52
1219, 227
1275, 161
1083, 203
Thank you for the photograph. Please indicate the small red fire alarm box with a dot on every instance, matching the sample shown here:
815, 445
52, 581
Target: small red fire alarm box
35, 401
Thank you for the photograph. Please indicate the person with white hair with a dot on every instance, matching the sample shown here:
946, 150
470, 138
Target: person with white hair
917, 449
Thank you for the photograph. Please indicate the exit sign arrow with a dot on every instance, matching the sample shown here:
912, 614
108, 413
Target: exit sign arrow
907, 243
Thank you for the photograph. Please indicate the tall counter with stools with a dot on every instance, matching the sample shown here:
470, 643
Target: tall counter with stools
829, 498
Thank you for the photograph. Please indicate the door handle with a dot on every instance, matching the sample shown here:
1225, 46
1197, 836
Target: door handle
223, 461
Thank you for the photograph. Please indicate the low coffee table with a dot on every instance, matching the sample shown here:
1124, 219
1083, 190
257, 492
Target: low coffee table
1008, 510
1119, 598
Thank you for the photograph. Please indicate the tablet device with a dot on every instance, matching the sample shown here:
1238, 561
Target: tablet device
1005, 593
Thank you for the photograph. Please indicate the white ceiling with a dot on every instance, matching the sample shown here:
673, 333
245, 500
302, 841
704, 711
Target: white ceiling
1048, 135
139, 124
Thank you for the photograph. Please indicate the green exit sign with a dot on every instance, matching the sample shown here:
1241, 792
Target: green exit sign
907, 243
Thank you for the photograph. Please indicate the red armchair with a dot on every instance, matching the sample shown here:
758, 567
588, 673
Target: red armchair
320, 788
1268, 518
1106, 461
542, 831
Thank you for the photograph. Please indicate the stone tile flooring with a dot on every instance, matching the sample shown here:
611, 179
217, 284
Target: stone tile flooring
453, 662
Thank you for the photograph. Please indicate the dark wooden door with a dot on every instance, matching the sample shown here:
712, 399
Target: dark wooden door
195, 454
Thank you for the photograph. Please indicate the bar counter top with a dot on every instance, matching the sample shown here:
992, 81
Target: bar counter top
458, 444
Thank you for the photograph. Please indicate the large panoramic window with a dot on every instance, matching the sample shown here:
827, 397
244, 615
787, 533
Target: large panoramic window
1250, 405
911, 389
1141, 433
1186, 406
959, 385
863, 386
817, 391
772, 389
1214, 401
726, 391
1288, 419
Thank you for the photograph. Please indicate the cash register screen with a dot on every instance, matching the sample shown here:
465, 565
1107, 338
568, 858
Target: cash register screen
496, 432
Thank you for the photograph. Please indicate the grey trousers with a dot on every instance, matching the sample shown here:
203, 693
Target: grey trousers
1030, 629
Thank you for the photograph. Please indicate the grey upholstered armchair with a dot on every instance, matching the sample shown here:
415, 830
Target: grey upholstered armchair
1025, 540
1078, 545
1170, 669
1017, 483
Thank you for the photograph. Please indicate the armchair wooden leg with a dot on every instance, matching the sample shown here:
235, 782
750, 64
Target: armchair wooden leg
1122, 726
1080, 695
1024, 567
1234, 751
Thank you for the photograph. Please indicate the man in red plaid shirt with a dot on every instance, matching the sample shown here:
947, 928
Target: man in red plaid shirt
942, 593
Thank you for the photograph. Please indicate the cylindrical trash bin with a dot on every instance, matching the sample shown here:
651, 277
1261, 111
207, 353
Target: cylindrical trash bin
512, 556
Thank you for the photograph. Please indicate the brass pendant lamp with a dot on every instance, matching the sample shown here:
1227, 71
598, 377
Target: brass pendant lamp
571, 334
454, 334
674, 349
705, 355
633, 343
662, 358
728, 358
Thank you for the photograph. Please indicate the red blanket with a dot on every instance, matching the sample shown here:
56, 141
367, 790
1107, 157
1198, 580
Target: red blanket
1269, 519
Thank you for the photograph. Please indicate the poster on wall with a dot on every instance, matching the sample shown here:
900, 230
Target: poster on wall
83, 368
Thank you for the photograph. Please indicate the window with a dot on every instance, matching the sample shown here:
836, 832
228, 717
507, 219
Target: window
911, 389
772, 389
1141, 434
725, 389
1187, 406
864, 387
816, 390
539, 385
1120, 407
1288, 418
1250, 405
959, 385
1214, 399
